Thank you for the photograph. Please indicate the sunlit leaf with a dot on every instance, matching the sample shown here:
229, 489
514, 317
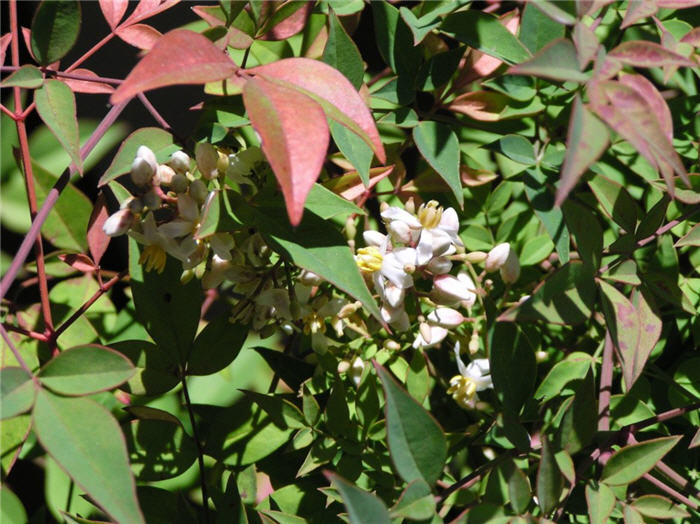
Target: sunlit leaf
416, 442
641, 53
658, 507
87, 86
113, 11
575, 366
55, 30
16, 392
342, 53
537, 29
691, 238
55, 104
556, 61
86, 441
294, 136
439, 146
415, 503
601, 501
179, 57
631, 462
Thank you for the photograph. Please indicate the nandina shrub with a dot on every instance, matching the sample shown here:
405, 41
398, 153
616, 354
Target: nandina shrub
431, 261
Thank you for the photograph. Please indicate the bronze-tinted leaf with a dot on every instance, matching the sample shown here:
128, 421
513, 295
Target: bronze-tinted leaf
139, 35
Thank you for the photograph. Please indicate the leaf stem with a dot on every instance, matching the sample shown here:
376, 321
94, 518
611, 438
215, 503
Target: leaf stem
605, 384
200, 449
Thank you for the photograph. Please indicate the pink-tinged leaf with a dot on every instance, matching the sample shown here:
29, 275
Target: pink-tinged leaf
484, 106
483, 65
86, 86
78, 261
557, 61
55, 103
677, 4
586, 44
637, 10
695, 442
27, 37
211, 14
350, 185
295, 137
113, 11
290, 25
179, 57
4, 44
640, 53
635, 328
691, 238
630, 115
586, 141
139, 35
148, 8
332, 90
657, 103
97, 239
692, 37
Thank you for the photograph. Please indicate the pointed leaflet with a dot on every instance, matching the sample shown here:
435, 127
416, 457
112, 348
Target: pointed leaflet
294, 135
55, 104
342, 53
27, 76
329, 87
55, 30
640, 53
601, 502
84, 370
148, 8
179, 57
416, 442
86, 441
549, 479
16, 392
363, 507
142, 36
635, 329
113, 11
691, 238
587, 139
632, 462
652, 96
556, 61
87, 86
97, 239
439, 146
658, 507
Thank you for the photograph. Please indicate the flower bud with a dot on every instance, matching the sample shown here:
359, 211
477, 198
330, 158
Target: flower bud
356, 370
400, 231
207, 160
118, 223
446, 317
179, 183
198, 191
350, 228
343, 366
439, 265
373, 238
455, 289
391, 345
150, 200
497, 257
222, 163
180, 161
142, 171
308, 278
475, 257
134, 204
510, 271
164, 175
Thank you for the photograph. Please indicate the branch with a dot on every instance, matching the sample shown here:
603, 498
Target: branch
605, 384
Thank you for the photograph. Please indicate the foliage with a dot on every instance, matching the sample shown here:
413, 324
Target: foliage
446, 274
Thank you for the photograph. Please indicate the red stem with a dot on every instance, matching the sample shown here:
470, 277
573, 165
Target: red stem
605, 385
670, 491
26, 332
89, 53
16, 353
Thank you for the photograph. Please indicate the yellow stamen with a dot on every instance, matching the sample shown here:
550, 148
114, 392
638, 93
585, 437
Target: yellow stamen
430, 214
462, 390
369, 259
153, 257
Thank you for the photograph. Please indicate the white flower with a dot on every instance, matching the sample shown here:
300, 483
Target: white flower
118, 223
188, 218
450, 289
144, 166
391, 271
446, 317
180, 161
158, 245
429, 336
503, 258
356, 370
396, 317
472, 378
439, 234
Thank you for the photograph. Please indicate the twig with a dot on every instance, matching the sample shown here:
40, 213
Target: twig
17, 354
200, 449
41, 337
605, 385
670, 491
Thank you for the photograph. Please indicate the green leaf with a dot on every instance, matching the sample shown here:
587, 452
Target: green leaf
55, 30
157, 139
13, 433
292, 370
578, 425
440, 147
658, 507
513, 366
601, 502
484, 32
537, 29
519, 488
632, 462
216, 346
415, 503
439, 69
86, 441
167, 308
362, 507
587, 139
327, 204
691, 238
27, 76
556, 61
55, 103
11, 509
625, 272
416, 442
574, 367
536, 250
615, 201
549, 479
281, 411
156, 369
552, 218
84, 370
159, 449
342, 53
354, 149
518, 148
314, 245
16, 392
586, 231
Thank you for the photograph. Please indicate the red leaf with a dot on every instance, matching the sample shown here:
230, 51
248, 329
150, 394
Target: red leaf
657, 103
640, 53
79, 261
97, 239
484, 65
86, 86
638, 10
677, 4
332, 90
290, 25
480, 105
294, 135
4, 43
692, 37
210, 18
139, 35
149, 8
350, 185
179, 57
113, 11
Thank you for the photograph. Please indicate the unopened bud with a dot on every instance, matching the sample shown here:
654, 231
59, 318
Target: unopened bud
350, 228
425, 332
439, 265
308, 278
287, 327
475, 257
391, 345
142, 171
356, 370
343, 366
164, 175
199, 191
445, 317
474, 343
222, 163
541, 356
179, 183
497, 257
180, 161
134, 204
349, 309
118, 223
150, 200
410, 205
